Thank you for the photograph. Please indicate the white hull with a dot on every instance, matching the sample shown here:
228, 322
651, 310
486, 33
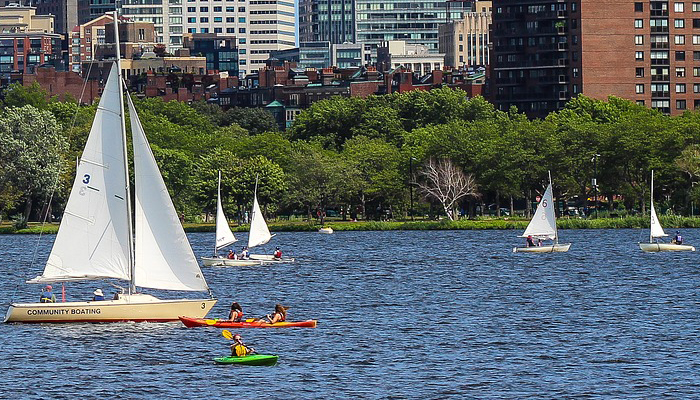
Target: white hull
225, 262
135, 307
270, 259
656, 247
552, 248
326, 230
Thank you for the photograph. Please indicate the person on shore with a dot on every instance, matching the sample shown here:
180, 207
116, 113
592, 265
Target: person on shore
529, 241
239, 349
47, 295
277, 254
236, 313
280, 314
245, 254
98, 295
678, 239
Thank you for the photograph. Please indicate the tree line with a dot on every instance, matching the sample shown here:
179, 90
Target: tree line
363, 158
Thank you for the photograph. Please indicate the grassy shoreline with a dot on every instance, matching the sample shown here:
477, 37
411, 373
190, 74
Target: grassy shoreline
670, 222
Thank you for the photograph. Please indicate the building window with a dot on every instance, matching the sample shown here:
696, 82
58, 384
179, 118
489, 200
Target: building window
192, 20
241, 20
574, 72
639, 23
241, 41
696, 56
241, 30
191, 30
241, 9
696, 7
680, 56
680, 72
203, 9
680, 104
218, 19
678, 7
679, 39
230, 30
639, 72
230, 19
191, 9
696, 71
696, 39
204, 30
638, 6
640, 102
639, 88
639, 40
679, 23
241, 51
696, 87
217, 9
218, 30
696, 23
680, 87
204, 19
639, 55
142, 34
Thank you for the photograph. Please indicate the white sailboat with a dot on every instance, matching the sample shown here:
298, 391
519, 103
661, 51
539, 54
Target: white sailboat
543, 225
224, 237
95, 239
259, 232
656, 231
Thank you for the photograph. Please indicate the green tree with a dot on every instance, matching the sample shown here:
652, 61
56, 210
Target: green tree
16, 95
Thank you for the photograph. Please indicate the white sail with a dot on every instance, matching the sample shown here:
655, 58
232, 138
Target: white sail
163, 255
259, 233
656, 229
543, 224
224, 236
93, 239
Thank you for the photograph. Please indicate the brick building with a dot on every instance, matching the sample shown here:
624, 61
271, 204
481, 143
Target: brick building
546, 52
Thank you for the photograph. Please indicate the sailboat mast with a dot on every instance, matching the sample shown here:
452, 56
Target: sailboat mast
554, 204
651, 204
132, 286
218, 201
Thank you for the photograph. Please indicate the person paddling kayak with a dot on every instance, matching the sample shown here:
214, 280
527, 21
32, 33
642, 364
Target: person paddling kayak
280, 314
236, 313
239, 349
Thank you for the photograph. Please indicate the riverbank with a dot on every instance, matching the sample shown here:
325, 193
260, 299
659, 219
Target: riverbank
669, 222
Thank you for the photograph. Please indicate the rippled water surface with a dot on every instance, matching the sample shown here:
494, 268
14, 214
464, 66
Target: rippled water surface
401, 314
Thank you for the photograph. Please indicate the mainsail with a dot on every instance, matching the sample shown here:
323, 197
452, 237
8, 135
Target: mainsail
656, 229
163, 256
93, 239
543, 224
259, 233
224, 236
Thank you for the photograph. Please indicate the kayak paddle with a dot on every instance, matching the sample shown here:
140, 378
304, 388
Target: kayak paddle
227, 334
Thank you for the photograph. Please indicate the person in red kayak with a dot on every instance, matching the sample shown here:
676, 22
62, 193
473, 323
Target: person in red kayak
280, 314
239, 349
236, 314
277, 254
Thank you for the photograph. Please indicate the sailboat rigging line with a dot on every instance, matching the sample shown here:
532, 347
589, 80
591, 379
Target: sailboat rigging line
53, 188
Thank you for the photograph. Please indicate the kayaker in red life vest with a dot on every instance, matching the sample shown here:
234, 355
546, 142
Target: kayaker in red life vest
277, 254
280, 314
236, 314
239, 349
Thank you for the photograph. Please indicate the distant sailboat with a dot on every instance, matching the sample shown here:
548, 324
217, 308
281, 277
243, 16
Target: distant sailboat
260, 233
656, 231
95, 240
224, 237
543, 226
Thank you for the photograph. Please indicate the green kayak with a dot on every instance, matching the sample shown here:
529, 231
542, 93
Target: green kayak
254, 359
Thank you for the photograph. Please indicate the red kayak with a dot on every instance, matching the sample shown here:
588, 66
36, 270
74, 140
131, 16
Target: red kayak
249, 323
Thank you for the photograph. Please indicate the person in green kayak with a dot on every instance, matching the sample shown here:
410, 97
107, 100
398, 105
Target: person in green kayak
280, 314
239, 349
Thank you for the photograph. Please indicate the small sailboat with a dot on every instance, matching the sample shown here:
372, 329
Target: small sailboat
543, 226
259, 232
656, 231
97, 240
224, 237
327, 230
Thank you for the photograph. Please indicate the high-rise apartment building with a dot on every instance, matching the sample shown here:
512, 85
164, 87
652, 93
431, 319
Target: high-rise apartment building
415, 22
65, 13
166, 16
545, 52
327, 20
466, 42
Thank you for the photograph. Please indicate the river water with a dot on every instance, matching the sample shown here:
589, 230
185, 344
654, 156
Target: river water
416, 314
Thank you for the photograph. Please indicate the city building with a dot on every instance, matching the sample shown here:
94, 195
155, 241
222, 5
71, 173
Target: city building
167, 18
260, 26
65, 13
417, 58
314, 55
327, 21
545, 53
347, 55
220, 51
84, 40
91, 9
415, 22
26, 41
466, 42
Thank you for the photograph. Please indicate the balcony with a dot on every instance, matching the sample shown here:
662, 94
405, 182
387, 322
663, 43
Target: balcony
659, 29
658, 13
563, 95
660, 61
661, 78
660, 46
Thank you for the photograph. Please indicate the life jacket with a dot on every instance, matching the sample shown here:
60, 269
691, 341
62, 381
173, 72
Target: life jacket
278, 254
241, 350
282, 317
47, 297
237, 316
